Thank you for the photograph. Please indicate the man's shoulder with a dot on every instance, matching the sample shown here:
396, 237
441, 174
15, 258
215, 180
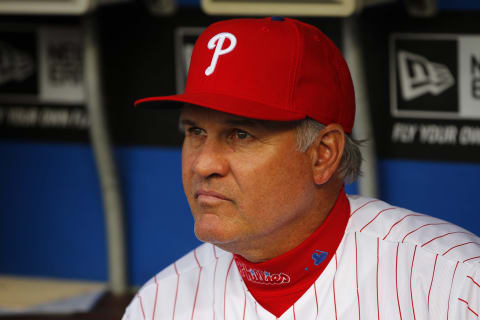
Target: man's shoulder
373, 217
179, 280
204, 256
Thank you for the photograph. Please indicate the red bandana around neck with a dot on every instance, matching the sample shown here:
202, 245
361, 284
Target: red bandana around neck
277, 283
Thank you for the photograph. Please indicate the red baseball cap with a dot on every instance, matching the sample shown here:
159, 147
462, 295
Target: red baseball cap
269, 69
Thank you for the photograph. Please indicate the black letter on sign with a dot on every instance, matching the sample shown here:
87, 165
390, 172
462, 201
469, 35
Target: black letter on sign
475, 68
476, 88
475, 65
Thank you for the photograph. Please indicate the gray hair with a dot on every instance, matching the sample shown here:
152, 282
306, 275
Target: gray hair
349, 168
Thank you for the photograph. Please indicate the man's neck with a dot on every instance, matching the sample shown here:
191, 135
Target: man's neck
294, 233
277, 283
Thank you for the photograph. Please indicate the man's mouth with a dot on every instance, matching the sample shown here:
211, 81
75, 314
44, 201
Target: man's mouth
210, 196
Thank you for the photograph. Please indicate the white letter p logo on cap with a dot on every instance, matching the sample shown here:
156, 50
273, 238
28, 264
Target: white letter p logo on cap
217, 43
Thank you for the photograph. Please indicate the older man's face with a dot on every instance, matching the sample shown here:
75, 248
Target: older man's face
246, 184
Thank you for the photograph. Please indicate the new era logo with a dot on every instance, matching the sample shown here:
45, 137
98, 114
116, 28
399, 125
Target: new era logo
15, 65
424, 76
419, 76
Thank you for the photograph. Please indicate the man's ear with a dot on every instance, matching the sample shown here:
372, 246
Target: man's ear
326, 152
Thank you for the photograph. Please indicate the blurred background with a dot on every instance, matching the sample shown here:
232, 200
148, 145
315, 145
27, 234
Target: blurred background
90, 188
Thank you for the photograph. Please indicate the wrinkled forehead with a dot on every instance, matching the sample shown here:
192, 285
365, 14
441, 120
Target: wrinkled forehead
192, 113
190, 110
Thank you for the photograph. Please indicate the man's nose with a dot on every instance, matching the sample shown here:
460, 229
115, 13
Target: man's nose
211, 160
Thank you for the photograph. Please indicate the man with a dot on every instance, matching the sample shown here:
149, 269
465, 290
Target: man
267, 113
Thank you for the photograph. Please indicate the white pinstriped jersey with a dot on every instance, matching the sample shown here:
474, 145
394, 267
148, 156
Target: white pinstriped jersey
391, 264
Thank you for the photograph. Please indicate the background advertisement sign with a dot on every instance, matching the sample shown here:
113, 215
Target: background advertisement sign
41, 83
435, 94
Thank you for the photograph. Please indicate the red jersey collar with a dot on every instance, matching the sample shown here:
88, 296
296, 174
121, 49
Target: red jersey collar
277, 283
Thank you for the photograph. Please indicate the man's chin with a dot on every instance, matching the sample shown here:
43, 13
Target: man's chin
210, 236
209, 232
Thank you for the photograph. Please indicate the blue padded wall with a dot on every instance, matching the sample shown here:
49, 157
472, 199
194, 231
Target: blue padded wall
446, 190
51, 218
159, 223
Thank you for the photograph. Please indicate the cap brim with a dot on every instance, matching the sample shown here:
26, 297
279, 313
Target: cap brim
232, 105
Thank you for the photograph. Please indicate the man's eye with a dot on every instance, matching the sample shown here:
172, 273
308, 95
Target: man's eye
241, 135
195, 131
